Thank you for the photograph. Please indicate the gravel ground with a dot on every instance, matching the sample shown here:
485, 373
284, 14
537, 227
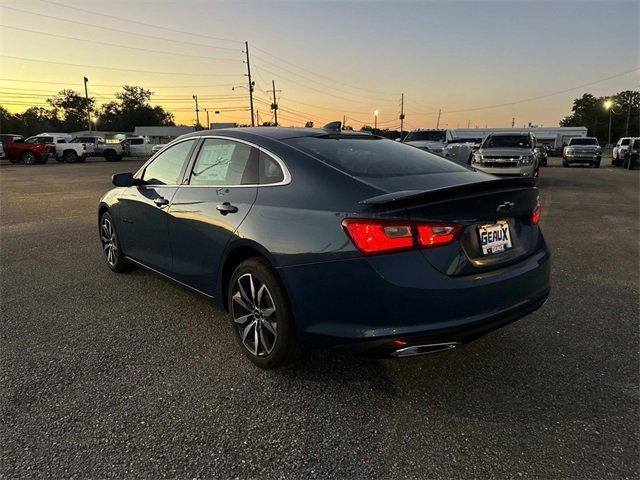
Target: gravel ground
106, 375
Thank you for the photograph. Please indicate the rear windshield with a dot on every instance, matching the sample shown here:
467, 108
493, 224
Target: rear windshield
583, 141
430, 136
373, 157
507, 141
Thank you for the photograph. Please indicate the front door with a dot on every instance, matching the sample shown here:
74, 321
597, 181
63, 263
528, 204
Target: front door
143, 209
205, 214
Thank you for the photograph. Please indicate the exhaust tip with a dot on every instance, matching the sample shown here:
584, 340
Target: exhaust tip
425, 349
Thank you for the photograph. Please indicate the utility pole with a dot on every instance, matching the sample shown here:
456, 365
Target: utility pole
375, 120
344, 121
439, 112
513, 122
401, 114
274, 105
468, 123
246, 50
626, 130
86, 96
208, 123
195, 97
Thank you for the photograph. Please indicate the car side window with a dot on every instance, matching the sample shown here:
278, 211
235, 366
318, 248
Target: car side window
269, 170
165, 168
225, 162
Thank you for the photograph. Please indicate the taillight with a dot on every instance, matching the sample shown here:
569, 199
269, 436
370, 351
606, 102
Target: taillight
535, 215
373, 237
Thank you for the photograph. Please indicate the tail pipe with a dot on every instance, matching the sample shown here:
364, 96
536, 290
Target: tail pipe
424, 349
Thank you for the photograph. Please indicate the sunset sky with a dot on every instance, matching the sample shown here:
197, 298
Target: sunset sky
482, 63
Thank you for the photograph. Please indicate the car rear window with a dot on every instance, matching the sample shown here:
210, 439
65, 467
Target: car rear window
373, 156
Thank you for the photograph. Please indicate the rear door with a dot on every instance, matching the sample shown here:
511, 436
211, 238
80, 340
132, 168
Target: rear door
144, 209
206, 213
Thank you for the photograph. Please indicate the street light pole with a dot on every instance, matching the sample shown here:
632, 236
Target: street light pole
608, 105
208, 124
375, 120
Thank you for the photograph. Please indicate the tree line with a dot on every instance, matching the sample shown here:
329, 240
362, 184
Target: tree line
68, 112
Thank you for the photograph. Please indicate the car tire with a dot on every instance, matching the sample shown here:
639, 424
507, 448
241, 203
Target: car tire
29, 158
110, 243
261, 315
110, 156
70, 156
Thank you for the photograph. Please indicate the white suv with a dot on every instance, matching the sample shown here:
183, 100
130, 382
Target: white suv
617, 157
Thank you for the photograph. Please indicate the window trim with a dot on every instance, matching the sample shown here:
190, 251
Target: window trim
278, 160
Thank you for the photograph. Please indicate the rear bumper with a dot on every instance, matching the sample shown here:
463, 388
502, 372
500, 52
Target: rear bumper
362, 304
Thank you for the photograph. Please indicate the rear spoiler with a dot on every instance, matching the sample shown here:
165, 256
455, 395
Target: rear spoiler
445, 193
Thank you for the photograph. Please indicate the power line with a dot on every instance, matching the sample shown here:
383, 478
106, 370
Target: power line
321, 75
118, 68
543, 96
98, 42
136, 34
117, 85
160, 27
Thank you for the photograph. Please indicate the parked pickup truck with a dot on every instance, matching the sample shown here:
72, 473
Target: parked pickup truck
582, 150
112, 152
137, 147
7, 137
29, 153
66, 150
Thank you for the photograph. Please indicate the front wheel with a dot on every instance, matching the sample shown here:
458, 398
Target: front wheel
262, 319
111, 156
111, 245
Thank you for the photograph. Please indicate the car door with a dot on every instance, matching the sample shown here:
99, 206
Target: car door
143, 209
206, 213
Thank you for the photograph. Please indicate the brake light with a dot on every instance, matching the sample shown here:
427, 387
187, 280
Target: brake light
535, 215
373, 237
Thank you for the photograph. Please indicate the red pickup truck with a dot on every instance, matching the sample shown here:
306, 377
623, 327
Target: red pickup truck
16, 150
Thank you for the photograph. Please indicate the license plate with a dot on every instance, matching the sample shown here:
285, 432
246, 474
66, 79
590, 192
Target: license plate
495, 237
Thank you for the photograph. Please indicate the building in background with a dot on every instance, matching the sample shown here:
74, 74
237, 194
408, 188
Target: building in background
557, 137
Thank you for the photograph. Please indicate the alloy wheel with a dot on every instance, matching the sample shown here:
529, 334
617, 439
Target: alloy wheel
254, 315
109, 244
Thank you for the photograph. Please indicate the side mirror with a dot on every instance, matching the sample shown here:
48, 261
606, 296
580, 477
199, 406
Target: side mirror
122, 179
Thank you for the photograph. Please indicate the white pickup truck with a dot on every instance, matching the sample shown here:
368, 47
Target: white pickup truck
137, 147
66, 150
112, 152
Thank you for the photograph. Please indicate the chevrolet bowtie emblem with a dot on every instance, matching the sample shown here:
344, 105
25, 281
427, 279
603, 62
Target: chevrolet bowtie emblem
505, 207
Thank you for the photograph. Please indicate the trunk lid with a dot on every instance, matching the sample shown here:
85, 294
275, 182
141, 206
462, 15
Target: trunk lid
483, 201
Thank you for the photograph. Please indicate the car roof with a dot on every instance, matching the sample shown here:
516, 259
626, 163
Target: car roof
504, 134
276, 133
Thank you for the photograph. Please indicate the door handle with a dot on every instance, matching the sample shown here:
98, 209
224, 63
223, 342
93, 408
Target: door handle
226, 207
161, 202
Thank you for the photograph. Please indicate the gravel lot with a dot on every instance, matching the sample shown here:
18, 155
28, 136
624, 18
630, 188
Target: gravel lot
106, 375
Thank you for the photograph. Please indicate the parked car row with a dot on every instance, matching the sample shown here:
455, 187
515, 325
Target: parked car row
63, 147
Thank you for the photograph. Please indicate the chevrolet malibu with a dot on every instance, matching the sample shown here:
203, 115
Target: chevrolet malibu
329, 238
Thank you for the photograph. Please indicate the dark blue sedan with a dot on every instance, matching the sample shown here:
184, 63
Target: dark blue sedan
324, 237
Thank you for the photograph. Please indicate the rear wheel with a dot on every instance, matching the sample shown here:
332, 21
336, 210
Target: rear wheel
70, 156
262, 319
29, 158
111, 245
